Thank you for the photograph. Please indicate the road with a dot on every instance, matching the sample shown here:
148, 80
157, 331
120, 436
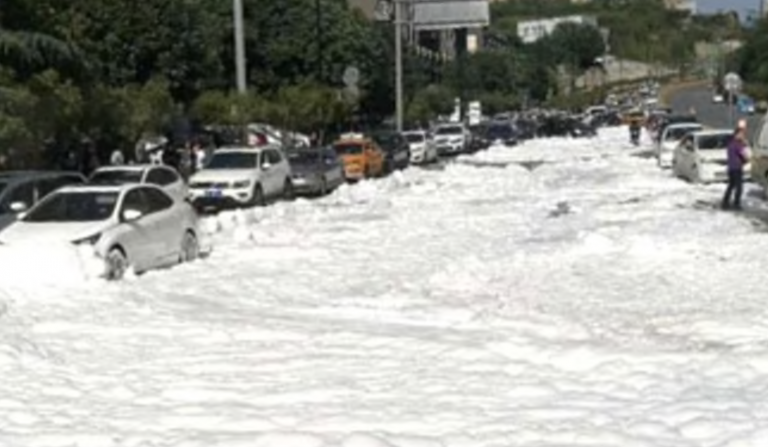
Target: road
710, 114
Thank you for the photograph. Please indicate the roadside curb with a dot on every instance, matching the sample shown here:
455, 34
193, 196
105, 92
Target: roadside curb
669, 90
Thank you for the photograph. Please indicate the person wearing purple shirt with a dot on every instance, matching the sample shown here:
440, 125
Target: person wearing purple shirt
737, 158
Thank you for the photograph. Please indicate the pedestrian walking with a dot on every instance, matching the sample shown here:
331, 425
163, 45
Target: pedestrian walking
738, 156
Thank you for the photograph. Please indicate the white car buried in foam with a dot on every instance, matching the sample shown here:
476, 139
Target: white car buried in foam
110, 228
670, 138
702, 156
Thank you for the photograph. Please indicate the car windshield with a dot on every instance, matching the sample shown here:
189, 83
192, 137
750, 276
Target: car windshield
414, 137
449, 130
304, 157
348, 149
80, 206
233, 160
116, 177
677, 133
714, 142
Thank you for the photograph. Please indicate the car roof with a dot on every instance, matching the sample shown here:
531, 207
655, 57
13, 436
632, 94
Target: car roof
707, 132
117, 188
132, 168
686, 124
239, 150
13, 175
352, 140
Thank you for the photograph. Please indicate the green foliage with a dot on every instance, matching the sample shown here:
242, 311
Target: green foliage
574, 45
429, 102
751, 60
113, 70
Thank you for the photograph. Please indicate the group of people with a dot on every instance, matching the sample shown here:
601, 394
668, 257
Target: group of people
186, 159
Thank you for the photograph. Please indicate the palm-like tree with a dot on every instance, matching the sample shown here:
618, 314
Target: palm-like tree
32, 49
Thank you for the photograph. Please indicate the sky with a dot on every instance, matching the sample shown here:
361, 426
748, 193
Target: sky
741, 6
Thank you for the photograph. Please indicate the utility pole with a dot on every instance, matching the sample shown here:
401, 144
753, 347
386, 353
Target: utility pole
242, 86
399, 64
320, 43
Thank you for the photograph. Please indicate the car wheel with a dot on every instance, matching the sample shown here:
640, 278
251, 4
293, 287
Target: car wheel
288, 192
190, 247
257, 196
116, 264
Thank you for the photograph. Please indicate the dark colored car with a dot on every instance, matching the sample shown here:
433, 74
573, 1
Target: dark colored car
478, 140
501, 133
20, 190
396, 149
315, 171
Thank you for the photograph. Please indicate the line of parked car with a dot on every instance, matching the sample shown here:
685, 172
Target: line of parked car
146, 216
689, 149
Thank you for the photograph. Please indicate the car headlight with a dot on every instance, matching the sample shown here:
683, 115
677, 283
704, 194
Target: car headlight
90, 240
241, 184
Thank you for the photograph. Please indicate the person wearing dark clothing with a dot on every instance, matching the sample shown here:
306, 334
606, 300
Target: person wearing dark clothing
737, 158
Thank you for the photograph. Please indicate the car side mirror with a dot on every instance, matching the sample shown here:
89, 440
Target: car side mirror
131, 215
266, 166
18, 207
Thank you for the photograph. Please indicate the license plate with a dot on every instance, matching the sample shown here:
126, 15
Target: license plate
213, 193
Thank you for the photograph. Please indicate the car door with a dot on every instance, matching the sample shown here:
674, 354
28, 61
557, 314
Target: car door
135, 236
375, 157
167, 227
282, 169
688, 163
333, 166
267, 173
169, 180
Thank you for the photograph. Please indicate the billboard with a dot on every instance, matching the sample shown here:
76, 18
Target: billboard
530, 31
449, 14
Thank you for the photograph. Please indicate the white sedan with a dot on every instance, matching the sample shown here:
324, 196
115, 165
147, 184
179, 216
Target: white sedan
701, 157
670, 138
160, 175
126, 226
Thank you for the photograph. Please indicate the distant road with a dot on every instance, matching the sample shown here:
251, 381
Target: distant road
710, 114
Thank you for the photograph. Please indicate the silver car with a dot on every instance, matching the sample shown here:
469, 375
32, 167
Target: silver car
20, 190
316, 171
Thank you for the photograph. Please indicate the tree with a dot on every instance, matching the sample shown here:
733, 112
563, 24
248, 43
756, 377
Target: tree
428, 103
575, 45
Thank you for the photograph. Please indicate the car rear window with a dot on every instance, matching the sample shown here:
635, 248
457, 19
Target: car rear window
714, 142
348, 149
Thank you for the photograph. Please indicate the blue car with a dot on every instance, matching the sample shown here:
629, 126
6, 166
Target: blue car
745, 104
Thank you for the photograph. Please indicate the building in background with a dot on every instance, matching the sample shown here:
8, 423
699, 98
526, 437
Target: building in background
530, 31
682, 5
436, 28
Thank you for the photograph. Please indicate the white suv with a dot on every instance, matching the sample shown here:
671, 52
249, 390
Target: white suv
451, 139
236, 177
